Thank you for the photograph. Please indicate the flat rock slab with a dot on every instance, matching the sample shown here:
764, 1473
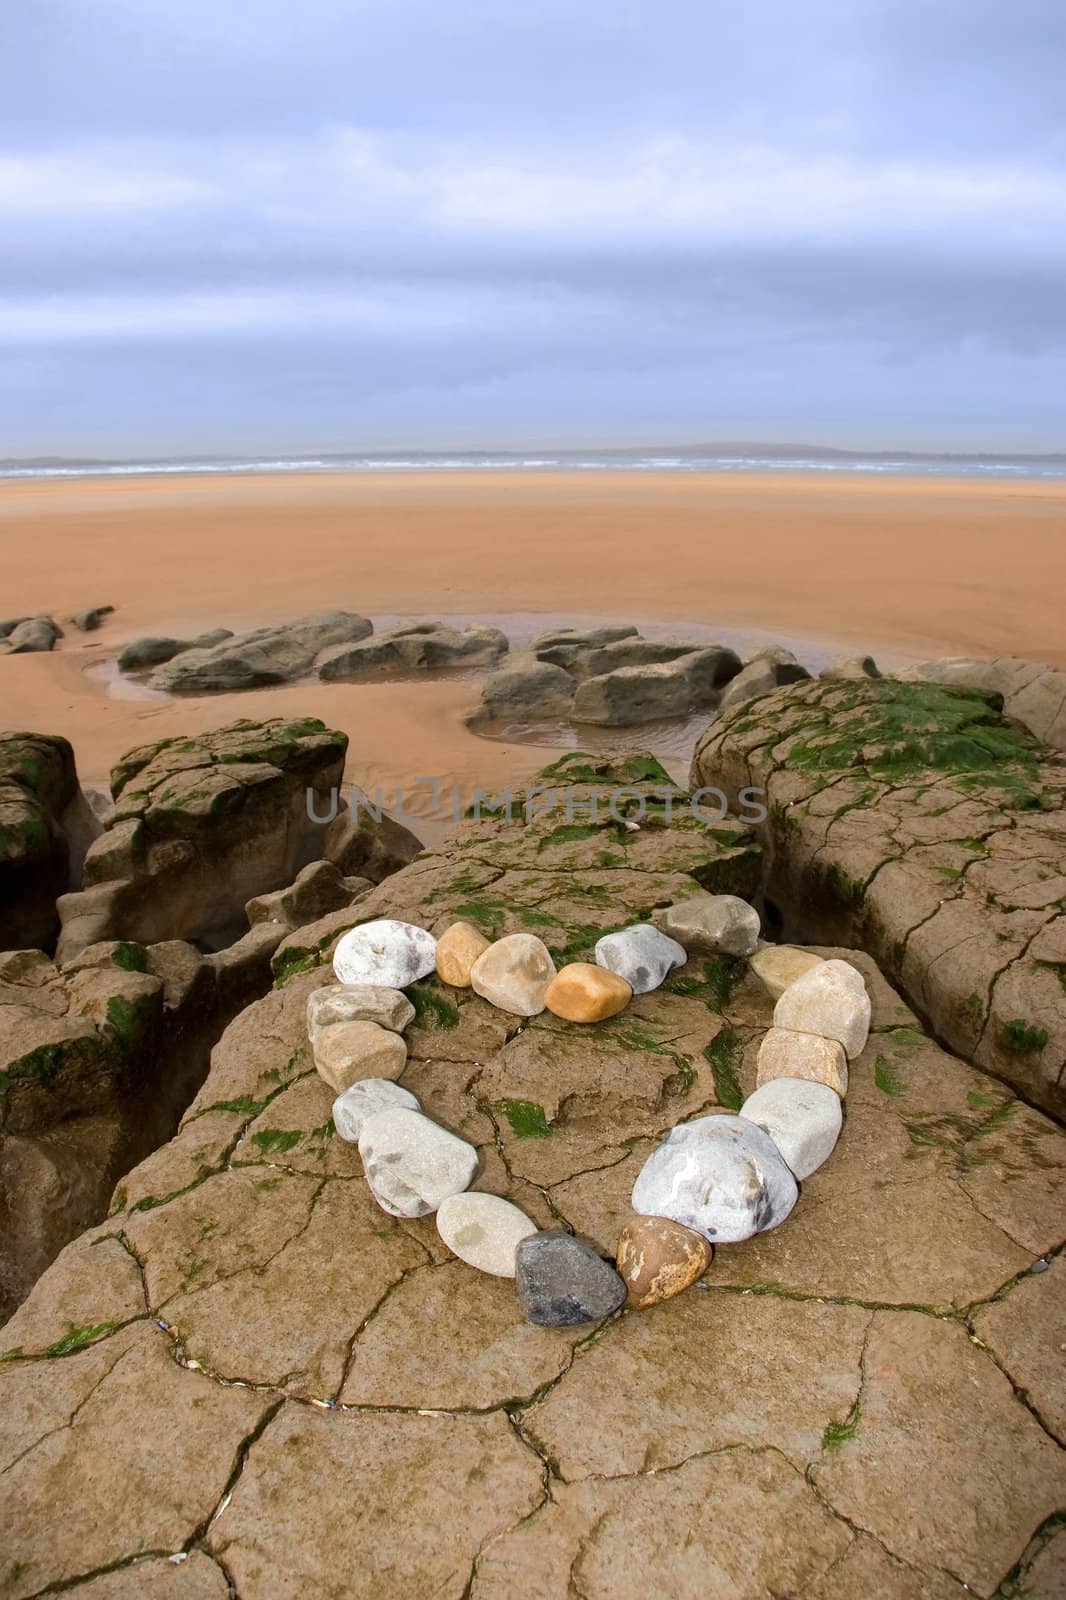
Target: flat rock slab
811, 1418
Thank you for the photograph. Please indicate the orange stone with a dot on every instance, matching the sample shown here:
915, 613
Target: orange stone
457, 949
583, 992
658, 1258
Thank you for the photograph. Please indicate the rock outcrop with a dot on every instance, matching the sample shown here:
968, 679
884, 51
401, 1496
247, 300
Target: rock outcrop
201, 826
258, 659
415, 647
140, 655
852, 1404
45, 828
1033, 693
31, 636
917, 822
609, 677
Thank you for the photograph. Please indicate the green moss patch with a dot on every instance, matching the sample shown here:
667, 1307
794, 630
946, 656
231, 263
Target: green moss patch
526, 1118
78, 1338
724, 1053
432, 1010
1021, 1038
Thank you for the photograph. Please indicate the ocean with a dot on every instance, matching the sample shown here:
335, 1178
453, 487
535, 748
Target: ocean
737, 459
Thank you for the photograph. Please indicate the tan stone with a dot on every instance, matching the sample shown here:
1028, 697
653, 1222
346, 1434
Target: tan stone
194, 1577
347, 1051
786, 1054
657, 1259
584, 992
514, 974
778, 965
457, 950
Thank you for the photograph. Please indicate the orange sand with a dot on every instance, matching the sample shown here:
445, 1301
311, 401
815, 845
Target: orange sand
907, 566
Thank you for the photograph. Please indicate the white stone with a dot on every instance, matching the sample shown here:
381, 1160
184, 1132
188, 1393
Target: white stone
347, 1051
779, 965
385, 954
483, 1230
364, 1100
830, 1000
721, 1176
359, 1002
411, 1163
802, 1118
713, 924
641, 955
784, 1053
514, 974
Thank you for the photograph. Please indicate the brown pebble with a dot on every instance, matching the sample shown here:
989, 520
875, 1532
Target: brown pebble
582, 992
658, 1258
457, 950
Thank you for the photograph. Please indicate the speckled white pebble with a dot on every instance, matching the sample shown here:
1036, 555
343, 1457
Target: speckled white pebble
385, 953
364, 1100
483, 1230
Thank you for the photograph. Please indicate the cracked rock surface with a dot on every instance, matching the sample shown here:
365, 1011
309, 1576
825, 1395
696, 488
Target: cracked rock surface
248, 1357
916, 821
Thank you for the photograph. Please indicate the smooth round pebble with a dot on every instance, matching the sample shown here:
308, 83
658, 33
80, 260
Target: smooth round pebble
344, 1052
721, 1176
802, 1118
385, 953
483, 1230
784, 1053
713, 924
359, 1002
641, 955
514, 974
778, 965
364, 1100
830, 1000
658, 1258
562, 1282
583, 992
457, 949
412, 1163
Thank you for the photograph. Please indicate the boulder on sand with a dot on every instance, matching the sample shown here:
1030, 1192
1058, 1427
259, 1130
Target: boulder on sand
765, 672
528, 688
634, 694
415, 646
141, 654
260, 658
34, 636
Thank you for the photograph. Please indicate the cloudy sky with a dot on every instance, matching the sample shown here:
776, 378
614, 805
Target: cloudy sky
257, 225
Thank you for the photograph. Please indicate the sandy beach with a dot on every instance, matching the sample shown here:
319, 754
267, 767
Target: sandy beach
905, 568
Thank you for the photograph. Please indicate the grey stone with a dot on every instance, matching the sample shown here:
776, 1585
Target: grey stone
484, 1231
359, 1002
89, 620
713, 924
260, 658
562, 1282
766, 671
365, 1099
803, 1119
673, 688
641, 955
386, 953
33, 637
141, 654
418, 646
721, 1176
527, 688
850, 668
411, 1163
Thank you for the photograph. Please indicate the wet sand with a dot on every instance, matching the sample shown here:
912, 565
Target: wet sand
901, 567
